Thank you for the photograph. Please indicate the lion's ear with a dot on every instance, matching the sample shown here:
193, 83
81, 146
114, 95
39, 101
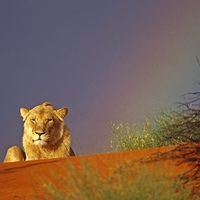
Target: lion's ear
62, 112
24, 113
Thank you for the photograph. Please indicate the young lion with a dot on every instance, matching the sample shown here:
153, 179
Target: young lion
45, 134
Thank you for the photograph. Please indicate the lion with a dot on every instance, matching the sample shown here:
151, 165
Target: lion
45, 135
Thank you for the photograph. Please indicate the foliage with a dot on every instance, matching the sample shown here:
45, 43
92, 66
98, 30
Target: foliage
169, 127
187, 125
124, 184
130, 137
126, 137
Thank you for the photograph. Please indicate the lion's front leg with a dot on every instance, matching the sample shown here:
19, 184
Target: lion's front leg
14, 154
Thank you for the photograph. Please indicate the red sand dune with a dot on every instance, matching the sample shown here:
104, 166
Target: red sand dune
20, 179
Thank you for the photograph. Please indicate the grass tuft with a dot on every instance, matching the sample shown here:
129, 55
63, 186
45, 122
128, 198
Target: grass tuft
127, 184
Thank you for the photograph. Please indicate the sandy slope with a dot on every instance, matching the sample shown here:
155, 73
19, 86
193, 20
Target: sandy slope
21, 180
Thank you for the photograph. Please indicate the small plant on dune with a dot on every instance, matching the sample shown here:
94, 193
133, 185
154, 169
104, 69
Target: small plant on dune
127, 137
167, 128
123, 184
151, 134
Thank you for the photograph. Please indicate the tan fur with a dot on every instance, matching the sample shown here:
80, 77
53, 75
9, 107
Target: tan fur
45, 133
14, 154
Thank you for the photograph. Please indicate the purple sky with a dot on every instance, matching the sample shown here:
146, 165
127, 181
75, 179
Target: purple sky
107, 61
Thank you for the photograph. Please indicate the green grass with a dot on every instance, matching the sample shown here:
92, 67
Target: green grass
140, 184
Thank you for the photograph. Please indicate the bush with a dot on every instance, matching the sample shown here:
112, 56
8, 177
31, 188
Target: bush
123, 184
126, 137
167, 128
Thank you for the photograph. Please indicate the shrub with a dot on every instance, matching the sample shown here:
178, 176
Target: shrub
126, 137
123, 184
167, 128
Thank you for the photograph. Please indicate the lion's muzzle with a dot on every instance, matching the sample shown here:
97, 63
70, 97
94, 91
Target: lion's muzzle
40, 140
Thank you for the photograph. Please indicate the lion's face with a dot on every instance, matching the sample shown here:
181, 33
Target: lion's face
43, 124
42, 127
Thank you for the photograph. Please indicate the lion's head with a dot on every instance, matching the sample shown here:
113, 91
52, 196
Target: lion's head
43, 125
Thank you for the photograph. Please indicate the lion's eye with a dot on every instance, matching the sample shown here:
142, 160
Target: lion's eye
49, 120
33, 120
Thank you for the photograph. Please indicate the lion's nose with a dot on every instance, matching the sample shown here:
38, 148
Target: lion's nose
40, 133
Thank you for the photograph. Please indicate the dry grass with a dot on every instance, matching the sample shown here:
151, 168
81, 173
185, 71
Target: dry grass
86, 184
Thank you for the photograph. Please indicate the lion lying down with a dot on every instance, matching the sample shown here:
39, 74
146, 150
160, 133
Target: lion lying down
45, 135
